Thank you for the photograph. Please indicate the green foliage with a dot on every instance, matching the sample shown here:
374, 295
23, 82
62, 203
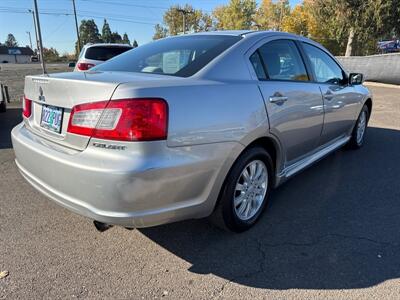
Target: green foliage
237, 14
125, 39
116, 38
51, 55
106, 34
160, 32
135, 44
11, 41
371, 20
195, 20
270, 15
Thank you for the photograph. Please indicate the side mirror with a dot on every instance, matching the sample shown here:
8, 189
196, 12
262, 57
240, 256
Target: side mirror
356, 78
71, 65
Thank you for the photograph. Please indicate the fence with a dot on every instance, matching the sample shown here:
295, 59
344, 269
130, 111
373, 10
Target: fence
383, 68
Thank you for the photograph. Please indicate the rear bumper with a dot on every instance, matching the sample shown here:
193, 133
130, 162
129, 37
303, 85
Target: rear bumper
145, 185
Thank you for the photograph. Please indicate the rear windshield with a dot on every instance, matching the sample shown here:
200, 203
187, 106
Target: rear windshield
179, 56
104, 53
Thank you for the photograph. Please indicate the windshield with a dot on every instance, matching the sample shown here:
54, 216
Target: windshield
179, 56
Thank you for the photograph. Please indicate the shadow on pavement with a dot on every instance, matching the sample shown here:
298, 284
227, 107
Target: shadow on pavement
8, 120
335, 226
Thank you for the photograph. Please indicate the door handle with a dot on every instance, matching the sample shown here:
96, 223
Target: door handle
328, 95
278, 99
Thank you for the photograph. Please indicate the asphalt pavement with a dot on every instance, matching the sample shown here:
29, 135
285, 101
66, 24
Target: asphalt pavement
332, 232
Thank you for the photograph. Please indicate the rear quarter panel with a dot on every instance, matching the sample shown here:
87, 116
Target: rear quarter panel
202, 112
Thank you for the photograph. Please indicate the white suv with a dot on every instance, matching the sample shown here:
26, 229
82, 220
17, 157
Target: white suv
94, 54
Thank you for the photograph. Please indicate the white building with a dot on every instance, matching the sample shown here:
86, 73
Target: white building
20, 55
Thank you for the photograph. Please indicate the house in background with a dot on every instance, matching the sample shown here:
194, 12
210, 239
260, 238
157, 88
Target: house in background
20, 55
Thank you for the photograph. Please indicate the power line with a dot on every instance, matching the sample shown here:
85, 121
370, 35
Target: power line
82, 15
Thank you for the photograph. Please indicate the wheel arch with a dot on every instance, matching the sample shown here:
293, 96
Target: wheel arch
368, 103
271, 145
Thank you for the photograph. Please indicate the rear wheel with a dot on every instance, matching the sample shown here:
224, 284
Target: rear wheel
245, 191
358, 134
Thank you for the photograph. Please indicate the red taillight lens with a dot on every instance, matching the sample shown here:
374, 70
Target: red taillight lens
27, 107
84, 66
123, 120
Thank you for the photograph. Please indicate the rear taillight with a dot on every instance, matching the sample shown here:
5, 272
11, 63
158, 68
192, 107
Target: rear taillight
84, 66
26, 107
123, 120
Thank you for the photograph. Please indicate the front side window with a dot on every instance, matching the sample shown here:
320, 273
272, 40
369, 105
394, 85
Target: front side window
179, 56
326, 70
282, 61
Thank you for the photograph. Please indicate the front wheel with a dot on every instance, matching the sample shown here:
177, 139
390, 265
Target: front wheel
358, 134
245, 191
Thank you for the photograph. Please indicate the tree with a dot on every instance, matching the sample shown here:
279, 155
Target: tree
11, 41
194, 19
51, 55
237, 14
135, 44
125, 39
116, 38
356, 25
270, 15
88, 32
160, 32
106, 32
297, 21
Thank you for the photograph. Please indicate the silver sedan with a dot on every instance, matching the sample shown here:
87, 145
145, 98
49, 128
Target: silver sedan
188, 127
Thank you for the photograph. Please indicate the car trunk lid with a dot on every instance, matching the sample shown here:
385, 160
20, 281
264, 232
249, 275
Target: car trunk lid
63, 91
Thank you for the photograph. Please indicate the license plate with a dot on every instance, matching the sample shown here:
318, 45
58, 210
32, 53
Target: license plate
51, 118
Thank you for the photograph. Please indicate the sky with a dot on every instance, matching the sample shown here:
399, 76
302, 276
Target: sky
135, 17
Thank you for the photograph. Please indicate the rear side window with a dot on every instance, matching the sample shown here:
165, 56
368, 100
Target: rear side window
282, 61
104, 53
326, 70
179, 56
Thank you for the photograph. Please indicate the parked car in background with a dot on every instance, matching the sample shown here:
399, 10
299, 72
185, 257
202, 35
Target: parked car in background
94, 54
34, 58
389, 46
188, 126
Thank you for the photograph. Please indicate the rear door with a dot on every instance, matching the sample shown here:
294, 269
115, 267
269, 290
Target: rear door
293, 102
340, 99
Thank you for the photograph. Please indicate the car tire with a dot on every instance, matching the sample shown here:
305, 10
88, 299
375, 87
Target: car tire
242, 201
358, 134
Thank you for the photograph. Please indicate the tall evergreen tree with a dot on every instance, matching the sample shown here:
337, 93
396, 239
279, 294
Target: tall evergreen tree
106, 34
125, 39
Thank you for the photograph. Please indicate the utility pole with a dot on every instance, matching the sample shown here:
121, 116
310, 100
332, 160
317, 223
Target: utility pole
184, 13
36, 35
30, 40
77, 29
39, 37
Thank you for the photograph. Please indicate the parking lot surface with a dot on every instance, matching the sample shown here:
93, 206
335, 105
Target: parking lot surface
330, 232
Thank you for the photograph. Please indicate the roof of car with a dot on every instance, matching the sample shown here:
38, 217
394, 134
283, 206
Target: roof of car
245, 32
108, 45
226, 32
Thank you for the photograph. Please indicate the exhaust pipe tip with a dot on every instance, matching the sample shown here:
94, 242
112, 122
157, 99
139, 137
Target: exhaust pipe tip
100, 226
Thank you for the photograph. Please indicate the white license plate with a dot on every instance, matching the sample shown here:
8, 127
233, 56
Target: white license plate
51, 118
